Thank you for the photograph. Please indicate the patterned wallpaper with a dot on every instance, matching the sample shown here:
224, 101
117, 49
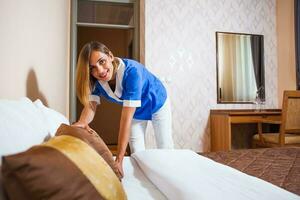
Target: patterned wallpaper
181, 50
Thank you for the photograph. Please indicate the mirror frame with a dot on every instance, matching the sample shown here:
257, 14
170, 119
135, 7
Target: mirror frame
262, 93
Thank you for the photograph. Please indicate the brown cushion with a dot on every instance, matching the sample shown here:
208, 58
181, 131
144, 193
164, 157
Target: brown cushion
64, 167
91, 138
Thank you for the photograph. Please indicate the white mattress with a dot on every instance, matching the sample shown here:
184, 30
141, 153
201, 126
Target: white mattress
136, 184
197, 177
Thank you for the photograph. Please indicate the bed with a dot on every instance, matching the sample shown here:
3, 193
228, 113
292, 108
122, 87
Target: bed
279, 166
169, 174
137, 185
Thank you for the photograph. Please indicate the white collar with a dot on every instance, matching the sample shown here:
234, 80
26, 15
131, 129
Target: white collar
119, 78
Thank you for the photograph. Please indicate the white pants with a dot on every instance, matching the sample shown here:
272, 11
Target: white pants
162, 125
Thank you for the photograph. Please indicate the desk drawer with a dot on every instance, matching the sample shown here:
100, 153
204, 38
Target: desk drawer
255, 119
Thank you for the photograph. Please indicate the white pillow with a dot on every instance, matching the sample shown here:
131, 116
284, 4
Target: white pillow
24, 124
52, 118
21, 126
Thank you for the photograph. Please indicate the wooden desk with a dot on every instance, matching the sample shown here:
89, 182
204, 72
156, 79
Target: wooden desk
221, 120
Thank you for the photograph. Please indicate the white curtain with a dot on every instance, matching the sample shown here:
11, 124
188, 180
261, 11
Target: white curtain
236, 71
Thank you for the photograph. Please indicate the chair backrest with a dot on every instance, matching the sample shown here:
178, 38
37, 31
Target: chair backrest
290, 113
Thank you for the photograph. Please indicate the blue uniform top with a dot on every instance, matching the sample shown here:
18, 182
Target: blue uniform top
135, 87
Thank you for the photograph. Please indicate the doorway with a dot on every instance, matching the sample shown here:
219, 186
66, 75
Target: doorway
118, 25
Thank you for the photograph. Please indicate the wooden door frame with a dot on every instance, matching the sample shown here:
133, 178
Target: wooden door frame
140, 47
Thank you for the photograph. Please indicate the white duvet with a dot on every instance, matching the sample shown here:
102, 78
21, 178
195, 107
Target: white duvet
185, 175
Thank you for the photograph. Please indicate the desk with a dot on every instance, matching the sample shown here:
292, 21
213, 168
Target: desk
221, 120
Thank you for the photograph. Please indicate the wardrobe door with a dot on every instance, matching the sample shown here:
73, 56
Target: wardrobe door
120, 26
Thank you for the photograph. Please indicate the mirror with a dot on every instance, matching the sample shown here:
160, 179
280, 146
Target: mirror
240, 68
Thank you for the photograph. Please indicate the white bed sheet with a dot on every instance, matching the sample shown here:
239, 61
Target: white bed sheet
136, 184
185, 175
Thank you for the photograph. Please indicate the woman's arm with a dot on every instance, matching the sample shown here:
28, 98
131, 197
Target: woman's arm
124, 132
87, 115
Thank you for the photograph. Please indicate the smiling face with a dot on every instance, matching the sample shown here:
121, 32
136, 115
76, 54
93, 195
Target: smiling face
101, 66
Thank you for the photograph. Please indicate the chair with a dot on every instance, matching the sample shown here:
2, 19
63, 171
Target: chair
289, 133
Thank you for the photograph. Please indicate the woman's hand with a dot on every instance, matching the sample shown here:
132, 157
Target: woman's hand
85, 126
87, 115
119, 165
124, 131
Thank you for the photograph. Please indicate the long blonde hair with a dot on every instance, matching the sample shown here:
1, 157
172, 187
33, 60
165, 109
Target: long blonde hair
84, 80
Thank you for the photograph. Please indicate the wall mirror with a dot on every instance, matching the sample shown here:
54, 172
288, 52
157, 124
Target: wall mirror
240, 68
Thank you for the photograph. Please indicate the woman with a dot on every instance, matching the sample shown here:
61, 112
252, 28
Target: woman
125, 82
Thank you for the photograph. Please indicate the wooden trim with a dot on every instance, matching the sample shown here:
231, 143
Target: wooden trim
294, 131
237, 33
272, 119
220, 132
245, 112
73, 60
219, 92
297, 42
292, 93
281, 139
98, 25
142, 31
